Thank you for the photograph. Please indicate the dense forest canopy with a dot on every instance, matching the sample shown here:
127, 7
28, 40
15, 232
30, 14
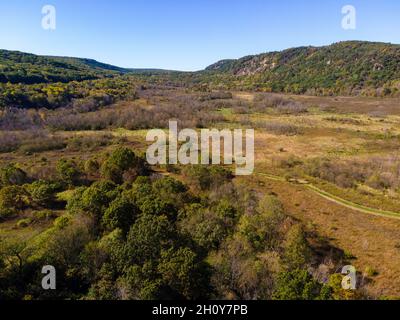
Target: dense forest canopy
127, 233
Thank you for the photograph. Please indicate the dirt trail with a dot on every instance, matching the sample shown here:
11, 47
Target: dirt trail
340, 201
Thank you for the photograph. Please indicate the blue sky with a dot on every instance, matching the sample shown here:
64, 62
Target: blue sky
188, 34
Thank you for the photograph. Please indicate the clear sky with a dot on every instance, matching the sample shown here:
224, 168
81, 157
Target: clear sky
188, 34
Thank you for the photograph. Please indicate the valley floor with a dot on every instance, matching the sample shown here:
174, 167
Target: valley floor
345, 147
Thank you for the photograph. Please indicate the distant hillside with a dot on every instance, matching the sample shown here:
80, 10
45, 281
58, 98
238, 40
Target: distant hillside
344, 68
351, 67
152, 72
18, 67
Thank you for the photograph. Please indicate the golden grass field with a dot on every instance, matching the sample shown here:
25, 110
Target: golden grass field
372, 240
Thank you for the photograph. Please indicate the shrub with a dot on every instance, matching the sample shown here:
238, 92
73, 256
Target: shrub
153, 205
73, 199
12, 198
226, 210
62, 222
42, 192
92, 166
336, 291
120, 161
89, 142
42, 145
264, 101
217, 95
204, 177
141, 285
24, 223
9, 141
280, 128
292, 107
241, 273
68, 171
378, 172
122, 158
370, 271
12, 175
44, 215
290, 163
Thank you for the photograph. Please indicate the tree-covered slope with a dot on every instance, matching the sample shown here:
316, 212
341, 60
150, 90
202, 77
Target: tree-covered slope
344, 67
18, 67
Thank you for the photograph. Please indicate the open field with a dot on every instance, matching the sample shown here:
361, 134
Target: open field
372, 240
345, 131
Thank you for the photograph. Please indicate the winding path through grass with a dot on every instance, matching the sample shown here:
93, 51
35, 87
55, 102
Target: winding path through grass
336, 199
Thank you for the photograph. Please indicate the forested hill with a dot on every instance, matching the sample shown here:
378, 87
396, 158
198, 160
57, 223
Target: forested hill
351, 67
18, 67
344, 68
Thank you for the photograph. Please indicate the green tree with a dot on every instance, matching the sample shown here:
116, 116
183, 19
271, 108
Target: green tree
164, 197
171, 191
296, 285
120, 161
183, 272
262, 228
333, 290
297, 251
142, 283
95, 199
68, 171
204, 226
12, 199
147, 237
42, 192
120, 214
141, 190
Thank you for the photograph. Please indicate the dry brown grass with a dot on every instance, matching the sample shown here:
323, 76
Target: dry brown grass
374, 241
